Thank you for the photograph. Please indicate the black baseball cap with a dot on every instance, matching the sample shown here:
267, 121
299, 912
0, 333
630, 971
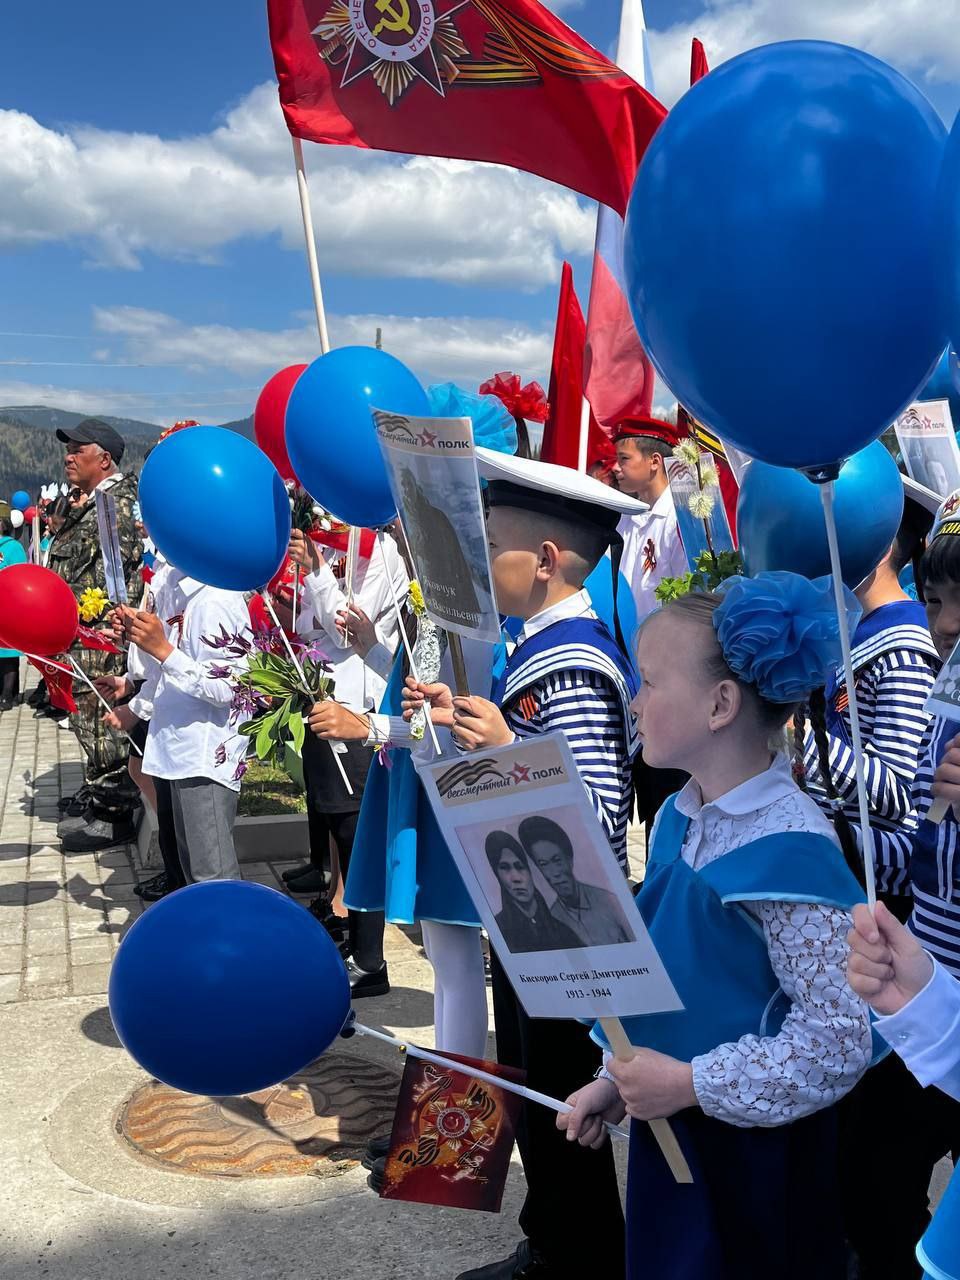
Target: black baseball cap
94, 431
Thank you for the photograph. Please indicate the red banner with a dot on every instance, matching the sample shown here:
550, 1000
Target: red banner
497, 80
452, 1136
59, 682
92, 639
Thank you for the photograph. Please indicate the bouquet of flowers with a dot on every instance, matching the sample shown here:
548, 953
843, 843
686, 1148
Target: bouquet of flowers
273, 691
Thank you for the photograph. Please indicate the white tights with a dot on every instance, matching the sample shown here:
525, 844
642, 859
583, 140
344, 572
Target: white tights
460, 989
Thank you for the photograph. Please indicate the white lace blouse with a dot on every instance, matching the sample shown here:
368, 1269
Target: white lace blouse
824, 1045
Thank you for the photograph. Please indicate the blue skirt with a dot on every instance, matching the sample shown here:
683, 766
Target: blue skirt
764, 1202
400, 862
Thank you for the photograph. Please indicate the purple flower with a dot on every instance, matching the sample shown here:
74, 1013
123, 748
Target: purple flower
241, 769
219, 673
220, 755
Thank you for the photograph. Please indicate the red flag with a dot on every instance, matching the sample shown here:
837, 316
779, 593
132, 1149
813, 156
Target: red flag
561, 435
452, 1135
498, 80
59, 682
93, 639
698, 62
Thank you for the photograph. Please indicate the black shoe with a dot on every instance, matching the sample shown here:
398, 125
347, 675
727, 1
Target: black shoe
97, 835
39, 696
335, 925
525, 1263
294, 873
6, 704
377, 1177
154, 889
312, 881
79, 797
377, 1149
364, 984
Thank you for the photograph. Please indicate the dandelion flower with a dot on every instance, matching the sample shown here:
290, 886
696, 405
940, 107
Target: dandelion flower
708, 476
701, 506
688, 452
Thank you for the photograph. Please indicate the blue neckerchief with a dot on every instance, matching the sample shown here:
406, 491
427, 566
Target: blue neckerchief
900, 613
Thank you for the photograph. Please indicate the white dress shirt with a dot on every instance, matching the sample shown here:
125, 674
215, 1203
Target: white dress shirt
652, 551
926, 1032
824, 1044
190, 733
355, 683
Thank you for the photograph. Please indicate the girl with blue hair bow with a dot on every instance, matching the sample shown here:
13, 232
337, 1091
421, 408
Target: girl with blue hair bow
747, 899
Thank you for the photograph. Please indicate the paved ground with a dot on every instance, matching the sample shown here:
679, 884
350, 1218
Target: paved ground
75, 1202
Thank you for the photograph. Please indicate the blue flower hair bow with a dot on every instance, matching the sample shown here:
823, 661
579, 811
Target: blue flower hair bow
493, 426
779, 632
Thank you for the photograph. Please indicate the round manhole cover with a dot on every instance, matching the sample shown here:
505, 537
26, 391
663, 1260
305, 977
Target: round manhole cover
310, 1124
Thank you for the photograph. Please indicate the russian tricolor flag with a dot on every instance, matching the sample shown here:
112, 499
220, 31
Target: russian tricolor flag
618, 377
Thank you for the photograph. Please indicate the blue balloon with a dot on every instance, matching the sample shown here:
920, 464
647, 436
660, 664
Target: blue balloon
216, 507
784, 210
330, 434
20, 500
945, 384
201, 992
948, 231
780, 517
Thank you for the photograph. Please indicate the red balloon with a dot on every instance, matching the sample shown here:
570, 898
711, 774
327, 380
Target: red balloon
38, 611
29, 514
268, 418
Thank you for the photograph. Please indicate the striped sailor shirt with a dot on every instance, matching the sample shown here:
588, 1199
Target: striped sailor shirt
930, 851
587, 708
896, 667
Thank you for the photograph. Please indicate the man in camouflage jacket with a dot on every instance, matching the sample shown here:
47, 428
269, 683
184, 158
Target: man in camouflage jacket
93, 452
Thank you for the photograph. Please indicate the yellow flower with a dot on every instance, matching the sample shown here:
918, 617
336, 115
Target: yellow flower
417, 602
92, 603
708, 476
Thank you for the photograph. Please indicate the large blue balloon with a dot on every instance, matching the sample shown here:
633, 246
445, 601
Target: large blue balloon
227, 987
20, 500
780, 517
945, 384
216, 507
782, 215
330, 434
948, 231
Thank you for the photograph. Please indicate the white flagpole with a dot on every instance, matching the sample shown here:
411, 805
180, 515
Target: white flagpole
311, 245
584, 435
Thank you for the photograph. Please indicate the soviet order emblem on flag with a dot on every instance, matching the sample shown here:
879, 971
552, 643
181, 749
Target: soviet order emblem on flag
498, 80
452, 1136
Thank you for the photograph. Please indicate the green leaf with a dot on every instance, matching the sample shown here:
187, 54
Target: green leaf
265, 740
297, 732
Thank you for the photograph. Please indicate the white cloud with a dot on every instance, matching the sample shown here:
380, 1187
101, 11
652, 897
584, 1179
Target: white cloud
121, 195
462, 349
919, 38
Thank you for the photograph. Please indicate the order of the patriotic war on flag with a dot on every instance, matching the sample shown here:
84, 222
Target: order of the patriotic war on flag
610, 685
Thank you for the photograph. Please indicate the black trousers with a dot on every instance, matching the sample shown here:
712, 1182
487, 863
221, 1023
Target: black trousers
572, 1211
9, 679
167, 834
332, 813
893, 1132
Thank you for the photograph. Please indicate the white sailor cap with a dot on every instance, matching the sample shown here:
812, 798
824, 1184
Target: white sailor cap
553, 490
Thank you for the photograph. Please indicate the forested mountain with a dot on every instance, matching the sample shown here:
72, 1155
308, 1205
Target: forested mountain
31, 455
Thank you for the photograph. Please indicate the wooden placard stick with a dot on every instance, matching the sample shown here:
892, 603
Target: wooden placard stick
623, 1051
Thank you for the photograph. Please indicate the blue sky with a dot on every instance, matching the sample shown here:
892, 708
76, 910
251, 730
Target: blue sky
149, 225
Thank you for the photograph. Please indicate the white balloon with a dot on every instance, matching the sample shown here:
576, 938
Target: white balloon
16, 518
